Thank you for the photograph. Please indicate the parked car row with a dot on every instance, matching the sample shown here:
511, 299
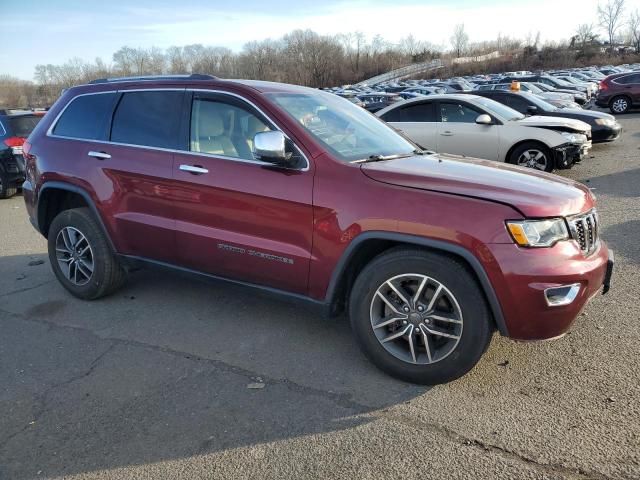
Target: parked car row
524, 118
299, 192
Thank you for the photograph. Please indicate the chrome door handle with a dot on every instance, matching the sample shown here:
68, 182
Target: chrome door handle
195, 169
99, 155
447, 134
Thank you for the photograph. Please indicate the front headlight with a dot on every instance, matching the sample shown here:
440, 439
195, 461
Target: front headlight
574, 137
538, 233
605, 121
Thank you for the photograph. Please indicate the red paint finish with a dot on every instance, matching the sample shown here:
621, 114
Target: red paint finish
290, 229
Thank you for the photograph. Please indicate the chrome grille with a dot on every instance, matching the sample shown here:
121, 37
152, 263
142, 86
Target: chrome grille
584, 230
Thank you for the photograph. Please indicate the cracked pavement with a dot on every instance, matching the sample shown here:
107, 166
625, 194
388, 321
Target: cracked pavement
152, 382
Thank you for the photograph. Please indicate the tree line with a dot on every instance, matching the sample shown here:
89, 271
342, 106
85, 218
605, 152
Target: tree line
308, 58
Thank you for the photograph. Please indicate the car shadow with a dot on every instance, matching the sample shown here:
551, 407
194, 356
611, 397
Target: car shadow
169, 367
622, 239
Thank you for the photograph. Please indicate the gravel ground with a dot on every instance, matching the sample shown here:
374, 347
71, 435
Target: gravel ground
154, 382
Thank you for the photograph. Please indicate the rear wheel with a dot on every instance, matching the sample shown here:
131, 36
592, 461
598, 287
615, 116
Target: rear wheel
80, 256
420, 316
532, 155
620, 104
5, 190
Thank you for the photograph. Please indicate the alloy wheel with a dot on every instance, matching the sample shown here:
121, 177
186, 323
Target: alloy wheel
620, 105
416, 318
74, 255
533, 158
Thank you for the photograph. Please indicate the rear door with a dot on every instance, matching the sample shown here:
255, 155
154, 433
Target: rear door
238, 217
138, 170
459, 134
418, 121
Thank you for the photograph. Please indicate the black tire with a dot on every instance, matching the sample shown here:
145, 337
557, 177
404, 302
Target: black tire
5, 190
533, 146
477, 324
107, 276
620, 104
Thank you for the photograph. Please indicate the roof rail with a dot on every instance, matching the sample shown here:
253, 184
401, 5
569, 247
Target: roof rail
193, 76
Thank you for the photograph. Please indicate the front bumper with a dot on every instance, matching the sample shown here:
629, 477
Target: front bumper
569, 153
603, 133
522, 278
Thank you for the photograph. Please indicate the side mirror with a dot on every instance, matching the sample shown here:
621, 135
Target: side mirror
532, 109
270, 147
484, 119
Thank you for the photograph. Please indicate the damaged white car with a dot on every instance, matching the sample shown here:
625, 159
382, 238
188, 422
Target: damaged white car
479, 127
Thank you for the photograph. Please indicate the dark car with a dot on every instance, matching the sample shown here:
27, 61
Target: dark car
604, 127
620, 92
302, 193
377, 101
14, 130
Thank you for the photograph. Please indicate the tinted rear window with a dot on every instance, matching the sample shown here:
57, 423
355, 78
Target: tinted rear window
148, 118
420, 112
23, 125
85, 117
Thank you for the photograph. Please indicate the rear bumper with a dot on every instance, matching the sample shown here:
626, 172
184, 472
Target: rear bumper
526, 276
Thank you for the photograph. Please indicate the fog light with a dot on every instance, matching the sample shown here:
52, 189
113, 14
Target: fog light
560, 296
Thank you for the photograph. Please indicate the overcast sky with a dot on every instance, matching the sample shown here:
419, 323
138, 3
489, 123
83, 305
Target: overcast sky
53, 31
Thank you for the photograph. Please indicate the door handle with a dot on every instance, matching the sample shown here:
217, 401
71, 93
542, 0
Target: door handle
99, 155
193, 169
447, 134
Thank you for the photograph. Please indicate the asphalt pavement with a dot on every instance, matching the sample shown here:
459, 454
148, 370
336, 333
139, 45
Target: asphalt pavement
173, 377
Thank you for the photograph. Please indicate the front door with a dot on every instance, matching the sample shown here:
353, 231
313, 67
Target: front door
237, 217
459, 134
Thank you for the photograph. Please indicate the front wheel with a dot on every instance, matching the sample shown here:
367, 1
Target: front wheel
532, 155
80, 256
420, 316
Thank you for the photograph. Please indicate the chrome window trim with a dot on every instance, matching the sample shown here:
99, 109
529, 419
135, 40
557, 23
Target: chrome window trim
171, 150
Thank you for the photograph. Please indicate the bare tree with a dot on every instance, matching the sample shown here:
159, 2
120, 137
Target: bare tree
459, 40
586, 34
610, 19
634, 30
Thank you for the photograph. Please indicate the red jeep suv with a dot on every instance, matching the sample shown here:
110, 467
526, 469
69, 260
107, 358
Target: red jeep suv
301, 192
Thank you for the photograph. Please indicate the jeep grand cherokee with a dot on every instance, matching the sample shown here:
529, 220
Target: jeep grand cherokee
301, 192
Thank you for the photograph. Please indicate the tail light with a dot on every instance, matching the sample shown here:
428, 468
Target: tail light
29, 161
15, 143
603, 85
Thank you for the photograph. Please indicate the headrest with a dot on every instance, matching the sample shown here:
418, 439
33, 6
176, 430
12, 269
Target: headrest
210, 120
254, 125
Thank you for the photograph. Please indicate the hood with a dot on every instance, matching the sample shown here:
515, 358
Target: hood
533, 193
586, 114
555, 122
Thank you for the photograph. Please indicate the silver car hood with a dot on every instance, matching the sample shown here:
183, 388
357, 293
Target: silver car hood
555, 122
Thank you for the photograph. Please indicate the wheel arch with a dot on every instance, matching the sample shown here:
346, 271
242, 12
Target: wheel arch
368, 245
55, 197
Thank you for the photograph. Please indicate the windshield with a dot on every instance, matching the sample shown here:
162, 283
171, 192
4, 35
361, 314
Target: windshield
499, 110
571, 80
539, 102
532, 88
348, 131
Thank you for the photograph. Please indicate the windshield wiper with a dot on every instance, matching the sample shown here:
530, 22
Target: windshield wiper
381, 158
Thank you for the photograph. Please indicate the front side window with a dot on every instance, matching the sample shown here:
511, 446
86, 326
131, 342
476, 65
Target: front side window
85, 117
150, 118
226, 129
348, 131
458, 112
